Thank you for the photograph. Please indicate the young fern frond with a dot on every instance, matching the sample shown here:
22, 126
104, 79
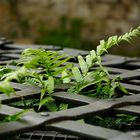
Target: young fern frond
47, 60
32, 58
4, 70
84, 77
66, 76
115, 40
43, 69
15, 75
8, 77
6, 88
51, 63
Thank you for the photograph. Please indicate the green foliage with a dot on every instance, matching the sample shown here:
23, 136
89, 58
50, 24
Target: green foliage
115, 40
123, 118
4, 84
98, 80
50, 62
66, 77
6, 88
40, 68
63, 106
43, 68
45, 101
15, 116
4, 70
15, 75
12, 75
119, 121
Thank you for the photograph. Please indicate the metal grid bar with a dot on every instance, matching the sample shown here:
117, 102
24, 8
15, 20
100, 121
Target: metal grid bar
84, 130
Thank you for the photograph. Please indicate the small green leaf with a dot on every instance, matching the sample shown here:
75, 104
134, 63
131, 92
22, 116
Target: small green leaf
52, 107
115, 39
14, 75
50, 86
101, 48
89, 61
44, 101
43, 92
60, 63
122, 89
65, 77
61, 69
83, 65
6, 88
81, 121
93, 54
16, 116
63, 106
77, 74
55, 59
110, 42
4, 70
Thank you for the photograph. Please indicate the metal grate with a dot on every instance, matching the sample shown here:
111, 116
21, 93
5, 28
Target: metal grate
63, 124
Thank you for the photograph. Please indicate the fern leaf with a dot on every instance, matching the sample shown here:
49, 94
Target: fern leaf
93, 54
89, 61
57, 58
61, 69
83, 65
16, 116
6, 88
102, 47
115, 40
65, 77
50, 86
60, 63
77, 74
63, 106
15, 75
44, 101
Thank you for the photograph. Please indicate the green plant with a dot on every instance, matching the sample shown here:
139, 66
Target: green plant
4, 70
38, 67
50, 62
43, 68
115, 121
15, 116
98, 80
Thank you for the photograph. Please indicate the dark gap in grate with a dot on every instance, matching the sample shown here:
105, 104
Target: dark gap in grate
134, 82
33, 103
111, 120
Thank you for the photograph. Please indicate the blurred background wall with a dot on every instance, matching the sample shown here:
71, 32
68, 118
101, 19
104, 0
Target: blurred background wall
70, 23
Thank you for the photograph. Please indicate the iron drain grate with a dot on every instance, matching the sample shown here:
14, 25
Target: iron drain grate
63, 124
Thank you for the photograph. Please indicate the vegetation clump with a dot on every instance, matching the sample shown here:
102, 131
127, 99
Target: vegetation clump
47, 69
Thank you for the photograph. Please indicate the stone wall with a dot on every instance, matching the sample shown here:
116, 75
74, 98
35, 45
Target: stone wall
101, 18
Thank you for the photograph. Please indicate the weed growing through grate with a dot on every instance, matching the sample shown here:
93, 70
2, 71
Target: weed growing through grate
43, 68
99, 79
13, 117
123, 122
